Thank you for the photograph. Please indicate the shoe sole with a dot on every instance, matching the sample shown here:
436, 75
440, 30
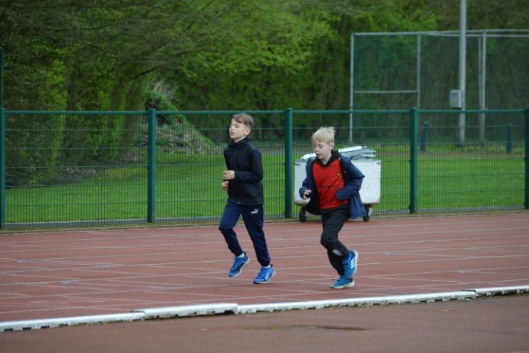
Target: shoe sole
348, 285
240, 270
272, 275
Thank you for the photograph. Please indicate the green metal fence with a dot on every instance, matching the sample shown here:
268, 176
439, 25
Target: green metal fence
77, 168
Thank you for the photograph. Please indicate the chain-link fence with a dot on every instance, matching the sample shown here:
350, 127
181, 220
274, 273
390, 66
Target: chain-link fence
399, 70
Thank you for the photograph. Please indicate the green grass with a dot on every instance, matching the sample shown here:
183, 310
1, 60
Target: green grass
188, 187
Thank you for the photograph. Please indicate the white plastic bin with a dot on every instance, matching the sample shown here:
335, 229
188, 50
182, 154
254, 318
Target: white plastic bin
369, 192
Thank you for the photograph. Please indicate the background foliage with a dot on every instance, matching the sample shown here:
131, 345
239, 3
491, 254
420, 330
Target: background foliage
196, 55
210, 55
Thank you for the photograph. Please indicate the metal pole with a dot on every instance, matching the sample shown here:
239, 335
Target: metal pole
418, 71
151, 167
289, 162
414, 132
482, 84
2, 167
526, 198
351, 90
462, 66
1, 77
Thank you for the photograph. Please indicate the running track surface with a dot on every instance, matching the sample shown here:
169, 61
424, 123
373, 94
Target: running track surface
57, 274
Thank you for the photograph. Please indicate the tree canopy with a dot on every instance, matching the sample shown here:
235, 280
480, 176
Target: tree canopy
207, 54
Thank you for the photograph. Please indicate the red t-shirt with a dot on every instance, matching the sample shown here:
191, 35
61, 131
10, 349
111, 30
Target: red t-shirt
328, 180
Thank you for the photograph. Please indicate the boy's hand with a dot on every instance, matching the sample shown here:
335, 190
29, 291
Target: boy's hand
224, 185
306, 194
228, 174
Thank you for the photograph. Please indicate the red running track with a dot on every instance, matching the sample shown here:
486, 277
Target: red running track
96, 272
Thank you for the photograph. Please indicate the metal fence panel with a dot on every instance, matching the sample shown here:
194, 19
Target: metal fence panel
74, 168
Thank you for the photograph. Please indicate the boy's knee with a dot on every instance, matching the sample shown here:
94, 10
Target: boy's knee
326, 243
224, 229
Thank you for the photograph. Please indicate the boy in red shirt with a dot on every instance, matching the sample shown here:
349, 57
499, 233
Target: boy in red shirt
333, 184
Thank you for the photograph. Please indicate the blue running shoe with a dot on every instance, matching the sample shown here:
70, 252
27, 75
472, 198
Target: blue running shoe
349, 265
238, 264
343, 282
265, 275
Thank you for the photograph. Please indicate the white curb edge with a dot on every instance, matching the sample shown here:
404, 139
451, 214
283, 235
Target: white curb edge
233, 308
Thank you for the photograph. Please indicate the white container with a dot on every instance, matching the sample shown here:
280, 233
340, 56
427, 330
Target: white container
369, 192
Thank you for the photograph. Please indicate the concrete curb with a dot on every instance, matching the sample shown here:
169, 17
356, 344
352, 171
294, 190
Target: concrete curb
233, 308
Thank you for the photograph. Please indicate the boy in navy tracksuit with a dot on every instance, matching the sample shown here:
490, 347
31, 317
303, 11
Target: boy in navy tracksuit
243, 182
333, 184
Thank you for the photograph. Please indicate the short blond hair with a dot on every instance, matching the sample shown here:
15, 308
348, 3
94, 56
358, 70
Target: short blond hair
244, 119
324, 134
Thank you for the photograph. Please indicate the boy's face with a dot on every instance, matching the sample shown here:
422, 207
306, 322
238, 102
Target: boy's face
238, 131
322, 149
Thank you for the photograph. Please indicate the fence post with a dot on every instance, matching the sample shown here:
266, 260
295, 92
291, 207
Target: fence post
289, 161
151, 166
1, 77
2, 168
2, 145
526, 203
414, 130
